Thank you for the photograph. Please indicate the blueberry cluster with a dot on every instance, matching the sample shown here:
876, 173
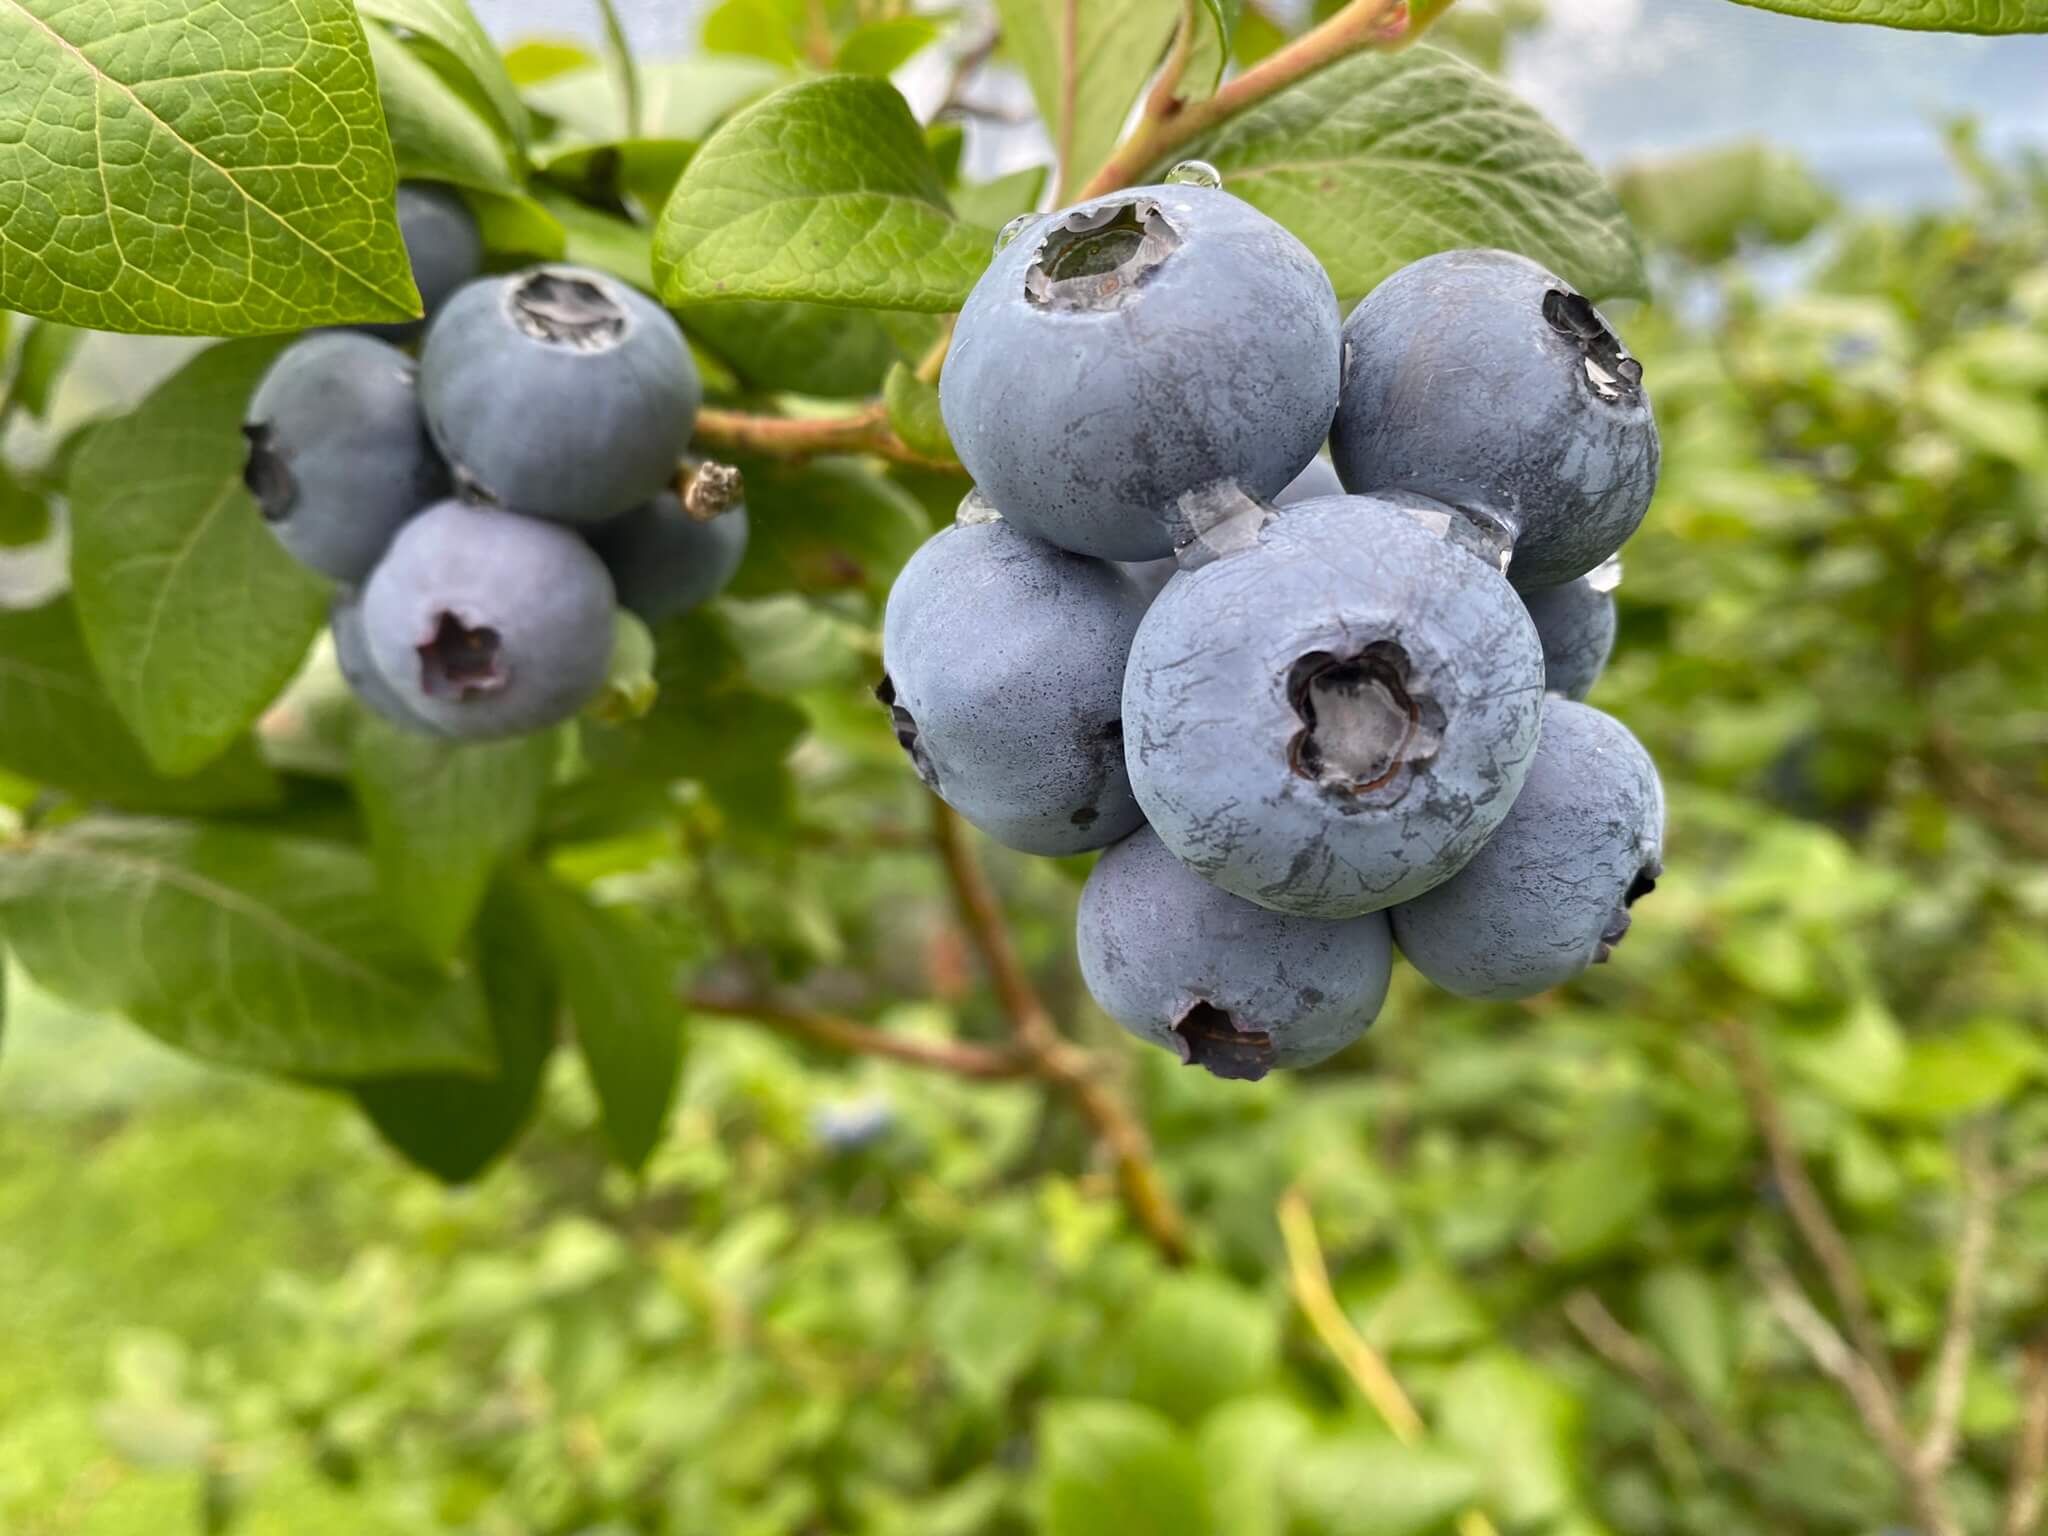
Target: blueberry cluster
1312, 709
486, 508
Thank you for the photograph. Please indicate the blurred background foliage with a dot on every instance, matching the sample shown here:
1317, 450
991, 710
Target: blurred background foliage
852, 1296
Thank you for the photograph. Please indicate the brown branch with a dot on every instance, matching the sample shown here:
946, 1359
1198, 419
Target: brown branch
958, 1057
865, 431
2028, 1490
1973, 1248
1809, 1212
1371, 1374
1613, 1342
1874, 1401
1052, 1058
1167, 124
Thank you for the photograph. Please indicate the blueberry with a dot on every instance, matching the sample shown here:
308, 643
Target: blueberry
352, 655
559, 392
1481, 379
1005, 666
1145, 344
486, 623
1318, 480
1576, 624
1334, 714
1550, 893
1224, 984
338, 458
666, 559
444, 246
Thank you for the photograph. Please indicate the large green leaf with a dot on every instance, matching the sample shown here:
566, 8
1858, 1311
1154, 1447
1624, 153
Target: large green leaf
1921, 15
441, 815
1086, 65
1360, 1486
203, 167
1115, 1469
453, 27
824, 192
244, 947
195, 615
1384, 158
627, 1020
456, 1127
61, 729
435, 134
811, 349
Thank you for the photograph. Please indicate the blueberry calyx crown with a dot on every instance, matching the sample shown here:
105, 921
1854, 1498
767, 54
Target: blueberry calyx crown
1211, 1039
1361, 724
460, 661
905, 724
1618, 923
266, 474
1094, 258
1611, 373
566, 311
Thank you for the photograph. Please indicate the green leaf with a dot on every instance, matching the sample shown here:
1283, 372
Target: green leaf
683, 98
540, 59
883, 47
195, 614
826, 526
824, 192
1115, 1469
1921, 15
618, 54
811, 349
441, 815
914, 412
1518, 1425
46, 350
987, 1321
205, 167
1381, 159
456, 1127
1197, 1341
1086, 65
643, 169
435, 134
63, 731
453, 27
760, 29
1358, 1485
992, 204
630, 685
628, 1022
1249, 1446
1965, 1072
1683, 1314
602, 240
1215, 37
708, 725
243, 947
24, 512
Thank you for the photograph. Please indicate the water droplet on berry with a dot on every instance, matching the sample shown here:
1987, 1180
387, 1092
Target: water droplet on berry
1013, 229
1194, 173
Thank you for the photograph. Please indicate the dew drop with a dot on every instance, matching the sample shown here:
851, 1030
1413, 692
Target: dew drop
1194, 173
976, 508
1013, 229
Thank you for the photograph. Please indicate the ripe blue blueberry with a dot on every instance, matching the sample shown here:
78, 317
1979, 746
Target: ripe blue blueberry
1485, 381
559, 392
486, 623
443, 245
1550, 893
352, 655
1576, 624
338, 457
1123, 352
1333, 713
1224, 984
666, 559
1005, 665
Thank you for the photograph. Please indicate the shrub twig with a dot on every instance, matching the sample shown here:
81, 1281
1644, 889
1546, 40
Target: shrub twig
1959, 1336
1374, 1378
961, 1058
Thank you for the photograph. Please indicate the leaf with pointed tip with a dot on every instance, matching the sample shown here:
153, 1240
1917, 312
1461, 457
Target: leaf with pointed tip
1921, 15
199, 167
453, 27
824, 192
236, 945
435, 134
1381, 159
196, 616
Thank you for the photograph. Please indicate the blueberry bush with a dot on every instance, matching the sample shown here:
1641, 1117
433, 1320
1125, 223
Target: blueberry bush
603, 682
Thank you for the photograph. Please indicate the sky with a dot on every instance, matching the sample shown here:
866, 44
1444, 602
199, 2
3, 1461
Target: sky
1632, 77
